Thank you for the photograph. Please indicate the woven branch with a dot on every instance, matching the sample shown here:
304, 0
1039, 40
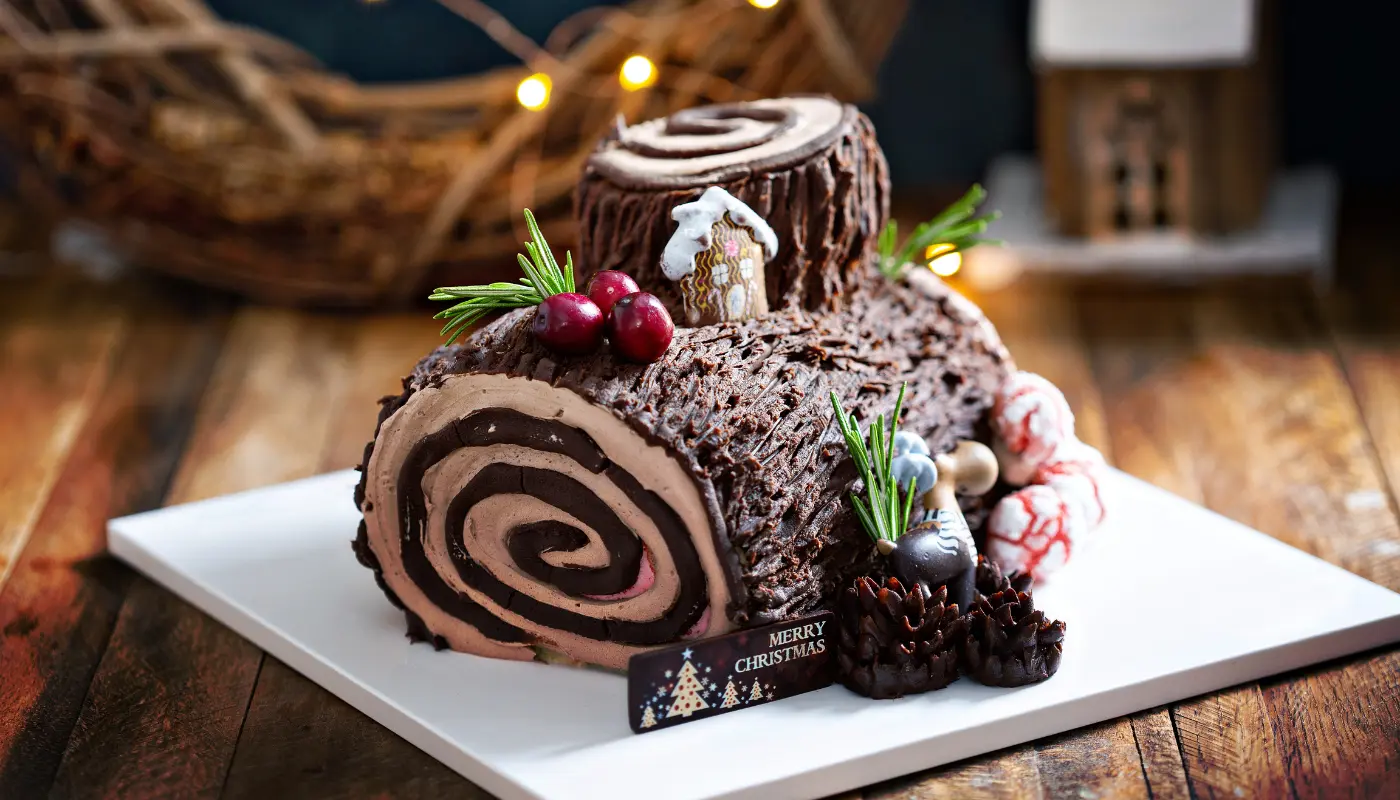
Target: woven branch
227, 155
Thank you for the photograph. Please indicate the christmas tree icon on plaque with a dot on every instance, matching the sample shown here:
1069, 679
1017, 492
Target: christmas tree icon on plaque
688, 692
731, 696
648, 718
757, 692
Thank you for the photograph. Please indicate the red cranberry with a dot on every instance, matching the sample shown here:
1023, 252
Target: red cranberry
568, 323
640, 327
610, 286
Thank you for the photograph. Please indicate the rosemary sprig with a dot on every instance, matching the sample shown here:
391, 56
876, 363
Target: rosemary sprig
957, 228
543, 278
882, 513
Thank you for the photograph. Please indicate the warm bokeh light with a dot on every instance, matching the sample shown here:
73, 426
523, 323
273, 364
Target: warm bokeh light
763, 3
943, 260
533, 92
946, 265
637, 73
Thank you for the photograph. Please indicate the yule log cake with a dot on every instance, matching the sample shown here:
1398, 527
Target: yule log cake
522, 503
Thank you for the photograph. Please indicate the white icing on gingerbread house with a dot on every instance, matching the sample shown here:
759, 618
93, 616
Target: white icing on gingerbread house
698, 218
717, 254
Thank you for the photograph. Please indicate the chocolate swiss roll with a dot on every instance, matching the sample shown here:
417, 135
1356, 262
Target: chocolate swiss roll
518, 503
810, 166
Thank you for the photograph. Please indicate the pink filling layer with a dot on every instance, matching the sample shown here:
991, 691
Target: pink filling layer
700, 627
646, 576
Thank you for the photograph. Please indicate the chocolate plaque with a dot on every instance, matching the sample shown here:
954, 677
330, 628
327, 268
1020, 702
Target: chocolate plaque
699, 679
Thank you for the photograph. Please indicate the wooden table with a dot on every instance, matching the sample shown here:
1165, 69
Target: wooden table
1256, 400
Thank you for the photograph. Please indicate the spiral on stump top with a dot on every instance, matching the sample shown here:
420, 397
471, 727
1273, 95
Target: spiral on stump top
810, 166
708, 145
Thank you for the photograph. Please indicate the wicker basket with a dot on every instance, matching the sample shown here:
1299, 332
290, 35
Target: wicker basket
230, 157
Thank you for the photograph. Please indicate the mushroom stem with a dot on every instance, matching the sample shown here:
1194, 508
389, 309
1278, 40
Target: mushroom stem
971, 469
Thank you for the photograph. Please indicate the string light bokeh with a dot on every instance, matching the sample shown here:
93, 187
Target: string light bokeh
637, 73
943, 260
533, 92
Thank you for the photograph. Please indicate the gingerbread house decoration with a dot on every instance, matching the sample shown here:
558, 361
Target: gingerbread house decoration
717, 256
1154, 116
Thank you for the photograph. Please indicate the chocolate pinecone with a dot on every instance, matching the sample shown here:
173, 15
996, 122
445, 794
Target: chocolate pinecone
1009, 642
989, 579
894, 642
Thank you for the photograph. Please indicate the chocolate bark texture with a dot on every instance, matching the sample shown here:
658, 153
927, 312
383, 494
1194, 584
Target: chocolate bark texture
809, 166
519, 502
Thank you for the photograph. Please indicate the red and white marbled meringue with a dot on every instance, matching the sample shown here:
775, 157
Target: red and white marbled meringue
1037, 528
1031, 419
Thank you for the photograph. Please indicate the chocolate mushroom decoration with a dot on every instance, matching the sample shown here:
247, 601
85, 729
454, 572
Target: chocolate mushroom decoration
896, 632
939, 550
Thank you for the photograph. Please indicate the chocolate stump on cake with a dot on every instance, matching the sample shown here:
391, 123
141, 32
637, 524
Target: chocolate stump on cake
809, 166
517, 503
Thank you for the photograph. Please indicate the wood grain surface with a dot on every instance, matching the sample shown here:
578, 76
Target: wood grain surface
1258, 400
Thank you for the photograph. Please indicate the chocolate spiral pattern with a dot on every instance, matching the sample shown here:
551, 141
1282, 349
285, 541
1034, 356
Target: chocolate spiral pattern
715, 144
504, 528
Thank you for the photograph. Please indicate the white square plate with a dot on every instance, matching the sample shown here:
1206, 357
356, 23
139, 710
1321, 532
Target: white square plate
1234, 604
